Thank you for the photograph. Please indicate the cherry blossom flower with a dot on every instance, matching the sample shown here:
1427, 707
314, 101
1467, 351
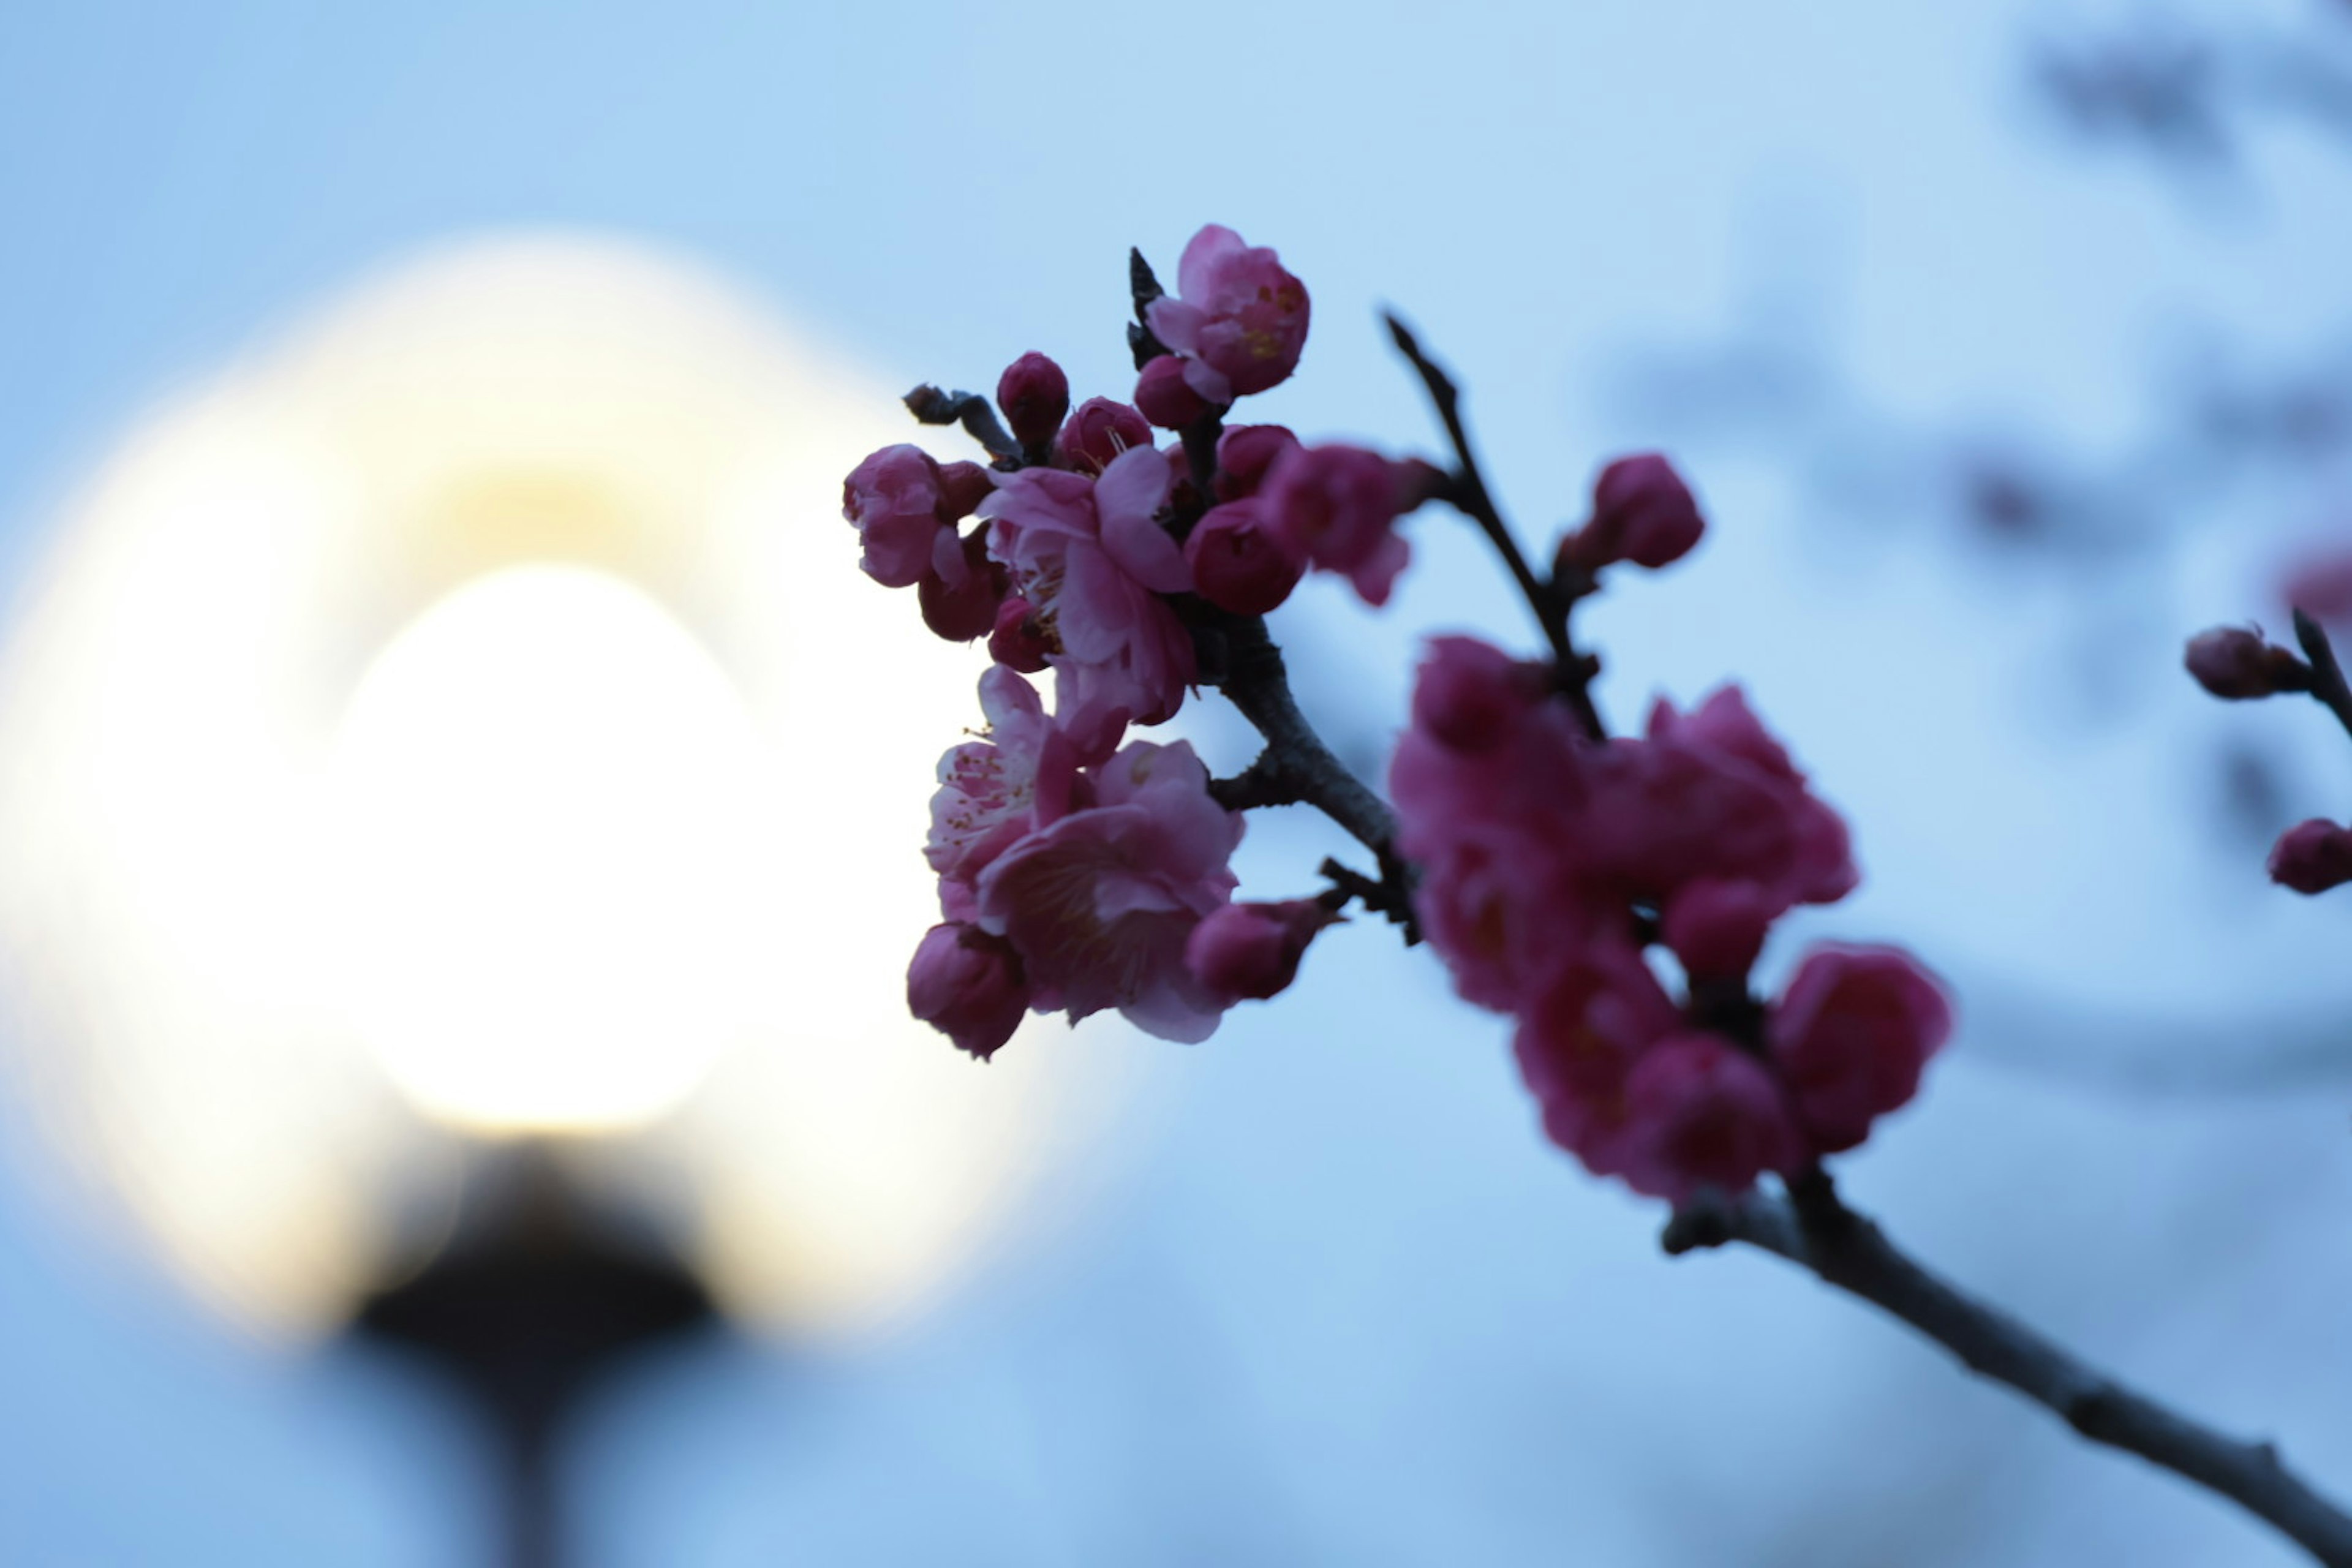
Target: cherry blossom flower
1238, 319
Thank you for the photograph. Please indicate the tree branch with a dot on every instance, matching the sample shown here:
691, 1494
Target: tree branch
2326, 676
1467, 492
1813, 1229
929, 405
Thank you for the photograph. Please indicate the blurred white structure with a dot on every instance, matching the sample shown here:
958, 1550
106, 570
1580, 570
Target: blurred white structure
464, 719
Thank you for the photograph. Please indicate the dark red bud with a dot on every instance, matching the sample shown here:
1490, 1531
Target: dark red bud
2236, 664
1034, 395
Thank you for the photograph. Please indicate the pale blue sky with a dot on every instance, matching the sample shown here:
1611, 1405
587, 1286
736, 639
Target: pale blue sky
1344, 1306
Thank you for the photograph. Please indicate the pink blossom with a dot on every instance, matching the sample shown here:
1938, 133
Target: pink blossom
1099, 431
1237, 563
1246, 454
1163, 396
1102, 900
1489, 786
1709, 793
1471, 695
1578, 1042
1642, 512
1119, 653
1335, 507
2312, 857
1850, 1035
1017, 641
960, 604
1239, 321
995, 790
2237, 663
1034, 395
893, 498
1717, 927
1251, 951
968, 985
1701, 1112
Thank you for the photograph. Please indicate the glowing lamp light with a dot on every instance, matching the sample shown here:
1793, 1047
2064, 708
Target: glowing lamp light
463, 721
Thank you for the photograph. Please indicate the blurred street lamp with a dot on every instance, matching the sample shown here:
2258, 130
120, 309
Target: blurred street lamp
456, 741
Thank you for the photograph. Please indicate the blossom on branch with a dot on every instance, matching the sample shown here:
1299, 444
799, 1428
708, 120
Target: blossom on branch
1238, 321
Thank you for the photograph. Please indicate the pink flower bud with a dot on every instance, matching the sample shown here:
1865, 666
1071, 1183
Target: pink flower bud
1717, 927
1251, 951
1018, 641
1470, 695
1245, 453
1642, 512
2313, 857
1850, 1035
1701, 1112
1335, 508
1237, 318
893, 498
1097, 433
960, 604
968, 985
1237, 563
1162, 397
1034, 395
2236, 664
963, 487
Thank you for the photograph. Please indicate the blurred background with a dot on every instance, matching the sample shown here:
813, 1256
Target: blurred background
454, 782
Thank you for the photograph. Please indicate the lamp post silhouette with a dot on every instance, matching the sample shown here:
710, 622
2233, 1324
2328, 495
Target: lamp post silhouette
424, 751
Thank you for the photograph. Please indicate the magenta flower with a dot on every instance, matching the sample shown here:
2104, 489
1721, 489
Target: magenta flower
1717, 927
1701, 1112
2312, 857
1335, 507
1250, 951
895, 498
1101, 899
1850, 1035
1034, 393
1119, 653
2237, 664
1472, 696
968, 985
961, 604
1163, 396
990, 792
1578, 1042
1240, 321
1710, 794
1097, 432
1246, 454
1642, 512
1236, 562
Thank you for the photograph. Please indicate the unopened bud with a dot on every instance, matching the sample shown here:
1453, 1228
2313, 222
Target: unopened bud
959, 603
1035, 396
1237, 562
1642, 512
2312, 857
1099, 431
1162, 397
1017, 641
2236, 664
1251, 951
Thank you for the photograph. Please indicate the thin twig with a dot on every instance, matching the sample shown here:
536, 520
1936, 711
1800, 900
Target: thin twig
2327, 675
1468, 493
1258, 684
932, 406
1813, 1229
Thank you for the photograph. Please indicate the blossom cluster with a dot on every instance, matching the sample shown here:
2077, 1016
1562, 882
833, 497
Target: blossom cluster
1081, 869
1551, 860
